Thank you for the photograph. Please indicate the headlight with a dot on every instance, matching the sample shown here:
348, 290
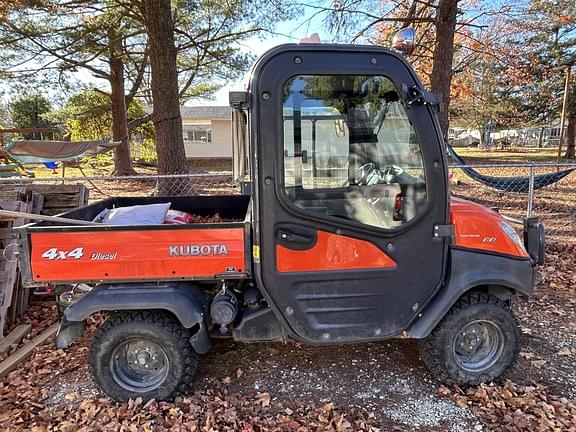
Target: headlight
512, 235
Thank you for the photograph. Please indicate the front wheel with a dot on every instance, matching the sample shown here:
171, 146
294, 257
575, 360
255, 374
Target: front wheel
476, 342
142, 354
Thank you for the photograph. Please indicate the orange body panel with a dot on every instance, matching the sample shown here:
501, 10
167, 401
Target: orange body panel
136, 254
332, 252
477, 227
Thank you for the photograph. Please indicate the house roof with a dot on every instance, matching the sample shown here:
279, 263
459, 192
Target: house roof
206, 112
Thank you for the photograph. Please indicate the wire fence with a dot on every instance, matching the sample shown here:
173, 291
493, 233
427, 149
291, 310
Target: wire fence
547, 191
101, 187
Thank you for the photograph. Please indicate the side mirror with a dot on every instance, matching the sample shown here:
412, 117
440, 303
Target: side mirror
404, 41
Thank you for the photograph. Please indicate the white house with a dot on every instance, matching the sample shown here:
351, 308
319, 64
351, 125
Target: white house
207, 131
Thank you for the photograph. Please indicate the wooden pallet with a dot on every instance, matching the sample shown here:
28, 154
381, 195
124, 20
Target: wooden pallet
61, 197
9, 276
13, 297
57, 198
28, 198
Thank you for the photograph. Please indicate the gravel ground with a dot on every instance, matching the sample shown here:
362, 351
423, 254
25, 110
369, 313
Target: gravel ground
384, 378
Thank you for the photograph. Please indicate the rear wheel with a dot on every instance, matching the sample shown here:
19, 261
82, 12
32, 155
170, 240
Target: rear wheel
142, 354
476, 342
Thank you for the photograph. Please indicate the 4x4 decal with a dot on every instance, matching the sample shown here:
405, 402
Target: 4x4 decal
57, 254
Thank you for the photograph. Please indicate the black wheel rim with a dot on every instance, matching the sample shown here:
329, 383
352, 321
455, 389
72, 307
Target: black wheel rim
139, 365
478, 345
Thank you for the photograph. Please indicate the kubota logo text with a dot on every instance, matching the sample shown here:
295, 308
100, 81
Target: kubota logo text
196, 250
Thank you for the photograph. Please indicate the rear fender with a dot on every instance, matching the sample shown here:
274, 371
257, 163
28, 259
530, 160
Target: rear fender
499, 275
185, 301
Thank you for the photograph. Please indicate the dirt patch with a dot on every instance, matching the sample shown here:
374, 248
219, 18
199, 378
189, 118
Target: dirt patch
386, 379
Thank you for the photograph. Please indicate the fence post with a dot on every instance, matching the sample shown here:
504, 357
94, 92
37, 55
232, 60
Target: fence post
530, 191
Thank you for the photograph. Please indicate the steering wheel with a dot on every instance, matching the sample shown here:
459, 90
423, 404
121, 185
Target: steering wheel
369, 174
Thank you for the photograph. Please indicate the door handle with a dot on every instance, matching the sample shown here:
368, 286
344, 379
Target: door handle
289, 236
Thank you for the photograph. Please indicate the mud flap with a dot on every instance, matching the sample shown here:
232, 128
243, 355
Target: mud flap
68, 332
200, 341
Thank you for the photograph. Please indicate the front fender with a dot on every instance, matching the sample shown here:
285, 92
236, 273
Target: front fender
185, 300
470, 270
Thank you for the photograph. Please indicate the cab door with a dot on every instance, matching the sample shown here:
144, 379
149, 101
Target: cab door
351, 187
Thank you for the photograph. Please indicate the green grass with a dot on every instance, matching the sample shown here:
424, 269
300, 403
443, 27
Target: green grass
90, 167
103, 165
513, 155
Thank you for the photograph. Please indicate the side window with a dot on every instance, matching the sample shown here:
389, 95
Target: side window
350, 151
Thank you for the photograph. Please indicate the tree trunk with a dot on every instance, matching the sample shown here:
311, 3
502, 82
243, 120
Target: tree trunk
541, 137
122, 157
166, 103
571, 136
441, 77
571, 129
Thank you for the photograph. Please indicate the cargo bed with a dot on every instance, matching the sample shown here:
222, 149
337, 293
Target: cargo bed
57, 254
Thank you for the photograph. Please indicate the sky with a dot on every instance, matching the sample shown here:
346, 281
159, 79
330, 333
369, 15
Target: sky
288, 32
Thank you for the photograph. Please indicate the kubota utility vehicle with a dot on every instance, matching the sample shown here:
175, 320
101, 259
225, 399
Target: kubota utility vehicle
345, 233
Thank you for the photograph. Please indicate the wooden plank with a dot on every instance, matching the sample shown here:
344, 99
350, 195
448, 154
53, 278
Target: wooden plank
54, 189
13, 206
31, 216
16, 304
7, 289
14, 337
17, 194
37, 203
21, 295
61, 201
5, 234
83, 196
26, 351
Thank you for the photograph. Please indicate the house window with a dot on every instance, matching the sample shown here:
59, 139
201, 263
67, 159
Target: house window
200, 133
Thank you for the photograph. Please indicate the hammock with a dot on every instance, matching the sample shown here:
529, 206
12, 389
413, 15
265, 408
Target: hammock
38, 151
509, 184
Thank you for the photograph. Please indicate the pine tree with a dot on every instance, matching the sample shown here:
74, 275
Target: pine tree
542, 47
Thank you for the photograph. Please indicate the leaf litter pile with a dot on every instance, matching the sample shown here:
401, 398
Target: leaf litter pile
26, 403
52, 391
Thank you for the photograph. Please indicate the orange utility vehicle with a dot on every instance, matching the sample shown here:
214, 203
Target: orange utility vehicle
345, 232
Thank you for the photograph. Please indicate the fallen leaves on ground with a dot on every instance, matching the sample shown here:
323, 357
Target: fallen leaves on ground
27, 404
513, 407
201, 411
40, 316
559, 271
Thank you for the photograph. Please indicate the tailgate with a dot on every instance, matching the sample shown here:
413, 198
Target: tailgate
85, 254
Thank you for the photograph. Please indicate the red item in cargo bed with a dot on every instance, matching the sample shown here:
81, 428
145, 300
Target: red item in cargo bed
176, 217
